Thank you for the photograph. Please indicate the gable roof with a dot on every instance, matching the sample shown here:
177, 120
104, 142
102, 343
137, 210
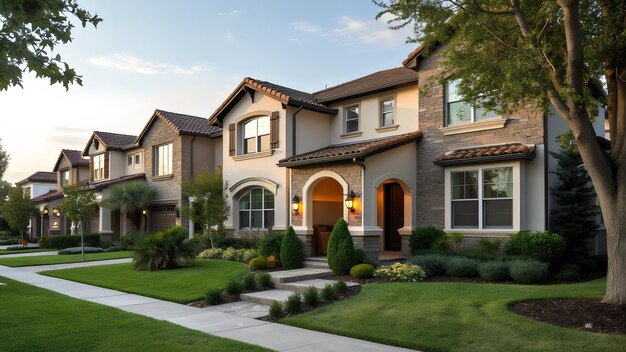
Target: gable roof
51, 195
103, 184
513, 151
285, 95
182, 124
409, 61
40, 176
368, 84
73, 156
111, 141
349, 151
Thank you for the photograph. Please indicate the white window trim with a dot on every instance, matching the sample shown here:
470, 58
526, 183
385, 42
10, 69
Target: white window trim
518, 199
468, 126
241, 142
99, 171
381, 126
345, 121
156, 166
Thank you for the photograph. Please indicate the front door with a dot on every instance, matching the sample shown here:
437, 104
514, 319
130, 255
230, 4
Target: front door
394, 215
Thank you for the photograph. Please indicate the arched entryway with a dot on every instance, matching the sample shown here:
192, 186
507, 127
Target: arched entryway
327, 197
393, 211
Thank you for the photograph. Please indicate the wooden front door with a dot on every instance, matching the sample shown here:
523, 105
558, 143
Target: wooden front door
394, 215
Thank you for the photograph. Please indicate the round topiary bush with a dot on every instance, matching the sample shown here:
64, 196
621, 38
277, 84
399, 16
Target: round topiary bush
361, 271
494, 271
544, 246
425, 237
259, 263
528, 271
462, 267
291, 251
433, 264
340, 250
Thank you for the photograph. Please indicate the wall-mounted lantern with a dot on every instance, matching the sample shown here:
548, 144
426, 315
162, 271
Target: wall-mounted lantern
350, 201
295, 204
44, 212
55, 224
144, 212
56, 212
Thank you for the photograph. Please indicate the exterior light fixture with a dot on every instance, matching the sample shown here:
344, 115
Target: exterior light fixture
56, 211
295, 204
55, 224
45, 211
350, 201
144, 212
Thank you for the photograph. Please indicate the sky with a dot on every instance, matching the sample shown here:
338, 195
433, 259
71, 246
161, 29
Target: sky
187, 56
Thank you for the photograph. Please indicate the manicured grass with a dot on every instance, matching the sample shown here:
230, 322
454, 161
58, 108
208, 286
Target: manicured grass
179, 285
35, 319
18, 251
61, 259
457, 317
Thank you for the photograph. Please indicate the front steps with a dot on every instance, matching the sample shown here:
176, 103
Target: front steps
316, 262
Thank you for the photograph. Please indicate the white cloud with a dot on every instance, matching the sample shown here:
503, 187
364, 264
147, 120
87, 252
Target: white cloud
129, 62
373, 31
306, 27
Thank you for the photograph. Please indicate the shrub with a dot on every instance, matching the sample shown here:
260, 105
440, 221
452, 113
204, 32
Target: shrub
130, 239
78, 250
234, 287
454, 241
270, 244
276, 309
250, 254
264, 280
340, 248
401, 272
425, 237
211, 253
528, 271
60, 242
249, 282
248, 242
291, 251
114, 249
462, 267
433, 264
164, 250
230, 253
294, 303
273, 262
568, 272
543, 246
341, 286
488, 246
328, 292
311, 296
9, 242
214, 296
359, 257
259, 263
361, 271
494, 271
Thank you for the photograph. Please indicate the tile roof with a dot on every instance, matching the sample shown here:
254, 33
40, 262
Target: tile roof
52, 195
368, 84
189, 125
115, 141
358, 150
501, 152
103, 184
413, 54
75, 157
40, 176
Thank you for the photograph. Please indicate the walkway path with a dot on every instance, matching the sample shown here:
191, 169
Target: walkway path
40, 268
270, 335
32, 254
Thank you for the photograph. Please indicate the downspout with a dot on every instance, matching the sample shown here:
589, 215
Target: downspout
293, 132
358, 162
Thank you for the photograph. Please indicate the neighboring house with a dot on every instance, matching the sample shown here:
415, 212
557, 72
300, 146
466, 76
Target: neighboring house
40, 184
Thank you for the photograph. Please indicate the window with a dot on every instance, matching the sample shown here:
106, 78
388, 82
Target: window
130, 160
98, 167
256, 209
137, 159
256, 135
459, 111
387, 112
162, 160
482, 198
65, 177
352, 119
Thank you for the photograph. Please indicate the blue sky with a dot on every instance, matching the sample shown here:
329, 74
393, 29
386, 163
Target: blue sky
187, 56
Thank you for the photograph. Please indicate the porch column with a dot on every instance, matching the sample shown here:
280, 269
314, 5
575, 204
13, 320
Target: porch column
191, 224
104, 230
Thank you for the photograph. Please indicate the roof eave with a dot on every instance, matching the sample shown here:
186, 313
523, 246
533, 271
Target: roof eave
320, 160
485, 159
363, 92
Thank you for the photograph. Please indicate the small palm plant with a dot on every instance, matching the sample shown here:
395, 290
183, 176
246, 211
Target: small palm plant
130, 197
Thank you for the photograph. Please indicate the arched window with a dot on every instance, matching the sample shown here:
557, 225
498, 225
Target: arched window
256, 209
256, 135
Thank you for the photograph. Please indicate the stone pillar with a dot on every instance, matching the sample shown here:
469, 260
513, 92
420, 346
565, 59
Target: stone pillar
104, 225
306, 236
405, 237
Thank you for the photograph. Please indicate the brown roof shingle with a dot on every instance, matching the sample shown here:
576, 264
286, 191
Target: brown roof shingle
75, 157
39, 176
358, 150
501, 152
103, 184
51, 195
189, 125
371, 83
115, 141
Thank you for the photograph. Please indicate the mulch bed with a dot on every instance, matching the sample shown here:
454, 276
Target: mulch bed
584, 314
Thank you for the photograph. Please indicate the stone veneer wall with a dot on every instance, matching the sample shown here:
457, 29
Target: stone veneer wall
524, 126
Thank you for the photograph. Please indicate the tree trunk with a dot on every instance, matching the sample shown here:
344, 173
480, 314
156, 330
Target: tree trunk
615, 223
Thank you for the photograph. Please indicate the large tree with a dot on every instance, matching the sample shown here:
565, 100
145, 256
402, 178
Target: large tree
512, 52
4, 161
29, 32
18, 209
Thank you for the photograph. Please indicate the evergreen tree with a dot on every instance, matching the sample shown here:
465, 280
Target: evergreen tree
18, 209
291, 251
340, 248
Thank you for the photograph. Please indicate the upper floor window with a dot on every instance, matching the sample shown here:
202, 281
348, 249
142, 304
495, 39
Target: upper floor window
162, 160
98, 167
256, 209
138, 159
460, 111
352, 119
387, 112
134, 160
130, 160
65, 178
256, 135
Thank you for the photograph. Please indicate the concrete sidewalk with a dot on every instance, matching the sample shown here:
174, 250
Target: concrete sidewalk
40, 268
270, 335
34, 254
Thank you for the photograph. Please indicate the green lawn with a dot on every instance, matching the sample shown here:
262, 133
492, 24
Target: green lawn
7, 251
179, 285
61, 259
457, 317
34, 319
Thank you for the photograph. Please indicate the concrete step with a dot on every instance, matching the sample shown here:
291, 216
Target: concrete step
286, 276
266, 297
316, 263
301, 286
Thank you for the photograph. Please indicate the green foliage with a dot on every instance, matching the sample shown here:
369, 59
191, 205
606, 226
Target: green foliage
494, 271
276, 310
78, 250
264, 280
311, 296
340, 250
130, 239
341, 286
462, 267
359, 257
4, 165
8, 242
454, 241
568, 272
488, 246
425, 238
79, 204
528, 271
60, 242
249, 254
250, 241
234, 287
210, 206
211, 253
361, 271
130, 197
17, 210
328, 292
291, 250
259, 263
270, 244
433, 264
294, 303
401, 272
214, 296
248, 282
164, 250
233, 254
543, 246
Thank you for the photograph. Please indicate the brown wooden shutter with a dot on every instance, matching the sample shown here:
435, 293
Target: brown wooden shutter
231, 139
91, 168
106, 165
274, 130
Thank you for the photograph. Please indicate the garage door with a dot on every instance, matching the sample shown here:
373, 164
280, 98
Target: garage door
162, 217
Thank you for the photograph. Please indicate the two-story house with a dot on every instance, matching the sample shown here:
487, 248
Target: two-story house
39, 185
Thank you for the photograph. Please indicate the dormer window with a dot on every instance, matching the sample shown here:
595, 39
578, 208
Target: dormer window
64, 178
98, 167
256, 135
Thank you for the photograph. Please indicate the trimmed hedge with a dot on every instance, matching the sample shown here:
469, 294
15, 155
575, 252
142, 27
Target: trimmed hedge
462, 267
494, 271
542, 246
426, 238
433, 264
60, 242
528, 271
361, 271
291, 250
77, 250
270, 244
259, 263
340, 248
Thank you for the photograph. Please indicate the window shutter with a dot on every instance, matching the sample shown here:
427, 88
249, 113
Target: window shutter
106, 165
231, 139
91, 168
274, 130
